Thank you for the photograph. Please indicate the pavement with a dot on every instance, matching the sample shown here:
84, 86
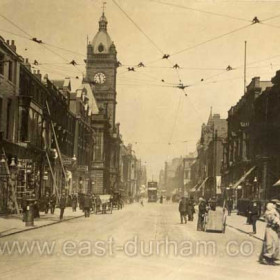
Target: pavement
134, 243
13, 224
239, 223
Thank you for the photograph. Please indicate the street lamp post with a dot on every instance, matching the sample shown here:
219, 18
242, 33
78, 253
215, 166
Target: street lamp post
13, 181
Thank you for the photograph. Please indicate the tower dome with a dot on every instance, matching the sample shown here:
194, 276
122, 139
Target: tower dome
102, 42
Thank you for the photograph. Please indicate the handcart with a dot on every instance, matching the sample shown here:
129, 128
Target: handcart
215, 221
105, 206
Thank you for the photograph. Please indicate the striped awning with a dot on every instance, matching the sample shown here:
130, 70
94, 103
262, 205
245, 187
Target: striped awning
243, 177
202, 185
194, 188
277, 184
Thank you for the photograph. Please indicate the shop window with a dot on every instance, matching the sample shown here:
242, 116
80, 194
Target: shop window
10, 76
2, 63
1, 110
9, 105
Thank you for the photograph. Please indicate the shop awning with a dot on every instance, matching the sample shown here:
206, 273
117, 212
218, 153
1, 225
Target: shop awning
243, 177
218, 184
194, 188
202, 184
277, 184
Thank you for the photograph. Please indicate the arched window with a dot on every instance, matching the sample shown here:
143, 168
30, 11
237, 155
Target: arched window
100, 48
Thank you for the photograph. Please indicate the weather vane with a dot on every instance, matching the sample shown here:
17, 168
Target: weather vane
103, 6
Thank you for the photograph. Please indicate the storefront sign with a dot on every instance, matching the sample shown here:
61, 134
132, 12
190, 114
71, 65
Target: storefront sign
82, 168
67, 161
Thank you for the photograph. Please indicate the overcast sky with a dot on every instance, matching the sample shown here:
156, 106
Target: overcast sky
159, 120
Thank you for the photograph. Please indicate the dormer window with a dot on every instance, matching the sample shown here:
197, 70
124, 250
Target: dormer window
100, 48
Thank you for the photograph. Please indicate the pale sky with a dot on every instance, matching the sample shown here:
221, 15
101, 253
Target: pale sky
160, 121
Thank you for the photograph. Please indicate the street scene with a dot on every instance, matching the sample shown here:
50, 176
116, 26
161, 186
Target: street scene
182, 252
139, 139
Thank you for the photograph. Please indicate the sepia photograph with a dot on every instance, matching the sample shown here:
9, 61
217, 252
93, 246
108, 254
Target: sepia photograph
139, 139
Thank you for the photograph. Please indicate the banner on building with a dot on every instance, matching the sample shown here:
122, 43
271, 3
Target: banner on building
218, 185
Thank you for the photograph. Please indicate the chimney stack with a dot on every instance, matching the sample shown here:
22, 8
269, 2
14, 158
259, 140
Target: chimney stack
12, 45
38, 74
27, 64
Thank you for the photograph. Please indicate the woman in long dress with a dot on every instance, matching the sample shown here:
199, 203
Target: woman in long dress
270, 250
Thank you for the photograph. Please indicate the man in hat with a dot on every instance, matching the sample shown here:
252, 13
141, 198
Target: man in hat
254, 213
62, 205
87, 205
191, 210
202, 210
183, 208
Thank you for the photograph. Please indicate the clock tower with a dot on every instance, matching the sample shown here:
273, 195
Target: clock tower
101, 70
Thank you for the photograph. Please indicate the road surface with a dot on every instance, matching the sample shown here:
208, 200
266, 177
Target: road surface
133, 243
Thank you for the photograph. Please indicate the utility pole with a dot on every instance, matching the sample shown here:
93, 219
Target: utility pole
265, 155
245, 66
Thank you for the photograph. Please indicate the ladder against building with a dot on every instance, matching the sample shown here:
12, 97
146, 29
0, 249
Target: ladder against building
58, 152
10, 183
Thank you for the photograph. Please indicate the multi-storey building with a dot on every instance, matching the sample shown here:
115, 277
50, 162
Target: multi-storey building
243, 159
101, 71
206, 169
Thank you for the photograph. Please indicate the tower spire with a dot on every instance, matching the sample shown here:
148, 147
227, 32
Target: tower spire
103, 8
210, 117
103, 21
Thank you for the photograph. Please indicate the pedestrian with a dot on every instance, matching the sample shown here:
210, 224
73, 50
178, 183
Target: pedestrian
35, 207
202, 211
24, 207
161, 199
142, 201
249, 220
254, 214
74, 202
62, 205
183, 208
212, 203
87, 205
46, 203
191, 209
52, 203
229, 205
81, 201
270, 249
98, 203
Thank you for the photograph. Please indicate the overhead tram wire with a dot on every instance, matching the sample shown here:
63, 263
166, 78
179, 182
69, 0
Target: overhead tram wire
176, 117
212, 39
136, 25
148, 37
15, 34
198, 10
202, 43
41, 44
18, 27
31, 38
56, 72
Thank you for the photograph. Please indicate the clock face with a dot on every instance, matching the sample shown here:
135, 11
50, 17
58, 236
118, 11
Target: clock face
99, 78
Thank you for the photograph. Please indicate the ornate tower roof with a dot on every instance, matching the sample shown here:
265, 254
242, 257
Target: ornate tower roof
102, 42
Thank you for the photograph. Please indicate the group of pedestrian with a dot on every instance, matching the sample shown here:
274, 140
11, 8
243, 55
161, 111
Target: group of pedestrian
186, 209
49, 203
